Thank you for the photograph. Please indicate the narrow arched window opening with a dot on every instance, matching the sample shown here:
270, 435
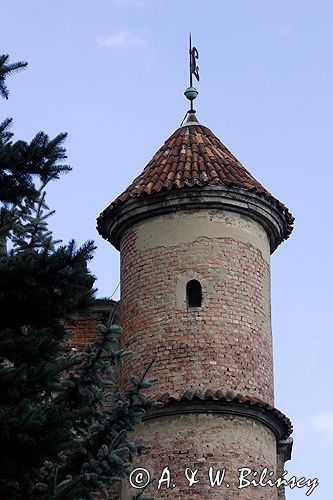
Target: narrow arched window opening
193, 294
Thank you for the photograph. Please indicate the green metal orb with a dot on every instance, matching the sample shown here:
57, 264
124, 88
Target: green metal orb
191, 93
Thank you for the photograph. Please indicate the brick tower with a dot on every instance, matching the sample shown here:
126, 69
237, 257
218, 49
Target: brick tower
195, 232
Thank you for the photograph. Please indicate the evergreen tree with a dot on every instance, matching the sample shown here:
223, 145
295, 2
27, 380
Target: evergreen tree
60, 436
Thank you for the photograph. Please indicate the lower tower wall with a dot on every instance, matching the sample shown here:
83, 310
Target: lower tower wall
200, 441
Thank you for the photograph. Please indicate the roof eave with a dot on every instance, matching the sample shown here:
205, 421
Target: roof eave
275, 219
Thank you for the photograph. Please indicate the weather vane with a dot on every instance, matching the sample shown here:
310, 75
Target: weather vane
191, 92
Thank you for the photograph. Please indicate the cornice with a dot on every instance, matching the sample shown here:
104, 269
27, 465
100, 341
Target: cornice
219, 197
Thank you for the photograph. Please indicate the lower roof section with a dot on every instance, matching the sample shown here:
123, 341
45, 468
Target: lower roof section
228, 403
275, 221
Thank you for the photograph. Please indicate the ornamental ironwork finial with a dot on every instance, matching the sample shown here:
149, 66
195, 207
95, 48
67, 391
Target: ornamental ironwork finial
191, 92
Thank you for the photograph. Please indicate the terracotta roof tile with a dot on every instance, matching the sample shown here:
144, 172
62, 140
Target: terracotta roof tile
229, 397
190, 150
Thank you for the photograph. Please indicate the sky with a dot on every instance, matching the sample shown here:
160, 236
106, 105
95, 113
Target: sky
112, 74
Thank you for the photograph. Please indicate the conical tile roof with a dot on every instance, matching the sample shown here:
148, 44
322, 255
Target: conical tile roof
192, 157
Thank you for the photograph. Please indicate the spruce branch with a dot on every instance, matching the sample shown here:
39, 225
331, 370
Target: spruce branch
7, 69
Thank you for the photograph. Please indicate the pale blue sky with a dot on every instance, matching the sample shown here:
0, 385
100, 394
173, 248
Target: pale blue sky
112, 74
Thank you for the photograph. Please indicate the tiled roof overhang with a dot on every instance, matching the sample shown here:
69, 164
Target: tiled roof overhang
226, 403
193, 158
113, 225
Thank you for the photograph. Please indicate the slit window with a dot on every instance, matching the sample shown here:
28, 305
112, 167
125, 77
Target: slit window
193, 294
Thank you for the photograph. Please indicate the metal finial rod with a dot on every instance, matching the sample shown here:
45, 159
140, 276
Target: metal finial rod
191, 83
191, 93
194, 69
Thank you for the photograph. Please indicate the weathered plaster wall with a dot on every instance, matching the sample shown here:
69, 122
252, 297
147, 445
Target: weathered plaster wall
179, 227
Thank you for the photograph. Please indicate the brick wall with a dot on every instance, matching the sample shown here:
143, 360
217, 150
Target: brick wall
83, 327
226, 343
